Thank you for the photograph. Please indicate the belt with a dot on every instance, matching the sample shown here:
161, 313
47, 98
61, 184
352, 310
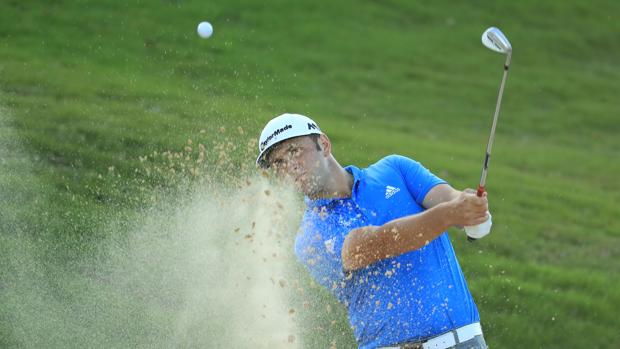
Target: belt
446, 340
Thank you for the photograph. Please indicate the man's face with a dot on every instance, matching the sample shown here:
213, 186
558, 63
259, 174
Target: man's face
298, 161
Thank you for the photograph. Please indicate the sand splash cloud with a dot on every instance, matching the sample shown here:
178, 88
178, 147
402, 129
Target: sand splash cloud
205, 269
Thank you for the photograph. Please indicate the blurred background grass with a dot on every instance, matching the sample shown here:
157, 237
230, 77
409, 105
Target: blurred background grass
88, 87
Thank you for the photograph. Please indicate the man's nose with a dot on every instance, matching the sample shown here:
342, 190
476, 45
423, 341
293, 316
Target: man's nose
281, 168
284, 168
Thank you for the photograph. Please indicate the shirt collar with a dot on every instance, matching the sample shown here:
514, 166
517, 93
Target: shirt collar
358, 175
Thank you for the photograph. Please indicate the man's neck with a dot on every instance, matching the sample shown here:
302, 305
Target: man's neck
339, 184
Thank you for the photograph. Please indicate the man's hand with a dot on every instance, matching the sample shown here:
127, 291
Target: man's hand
467, 209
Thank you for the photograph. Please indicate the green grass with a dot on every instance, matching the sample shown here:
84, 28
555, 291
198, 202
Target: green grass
87, 85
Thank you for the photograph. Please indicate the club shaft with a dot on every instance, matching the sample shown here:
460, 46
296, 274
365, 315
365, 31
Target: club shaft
487, 157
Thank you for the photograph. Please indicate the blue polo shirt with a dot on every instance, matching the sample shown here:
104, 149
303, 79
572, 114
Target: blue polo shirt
414, 296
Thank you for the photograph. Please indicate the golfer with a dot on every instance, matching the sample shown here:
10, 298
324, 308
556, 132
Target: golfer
376, 239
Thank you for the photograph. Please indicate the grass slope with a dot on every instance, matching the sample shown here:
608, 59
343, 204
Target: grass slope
89, 85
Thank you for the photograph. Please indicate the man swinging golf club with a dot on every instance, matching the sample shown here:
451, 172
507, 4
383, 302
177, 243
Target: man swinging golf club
376, 238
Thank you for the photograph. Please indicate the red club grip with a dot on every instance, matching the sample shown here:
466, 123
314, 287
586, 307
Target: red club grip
480, 191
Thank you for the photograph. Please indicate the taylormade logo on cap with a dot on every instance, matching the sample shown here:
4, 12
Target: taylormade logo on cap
282, 128
275, 133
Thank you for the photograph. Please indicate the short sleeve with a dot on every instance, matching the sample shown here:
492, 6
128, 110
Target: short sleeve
419, 179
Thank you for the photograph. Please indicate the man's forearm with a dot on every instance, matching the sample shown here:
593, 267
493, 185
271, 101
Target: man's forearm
438, 194
367, 245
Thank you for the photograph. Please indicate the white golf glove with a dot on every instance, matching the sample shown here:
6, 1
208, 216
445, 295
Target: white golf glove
481, 230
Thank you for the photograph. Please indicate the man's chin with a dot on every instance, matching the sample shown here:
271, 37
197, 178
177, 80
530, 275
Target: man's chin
296, 185
309, 190
303, 186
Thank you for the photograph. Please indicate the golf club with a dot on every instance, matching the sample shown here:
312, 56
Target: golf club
494, 39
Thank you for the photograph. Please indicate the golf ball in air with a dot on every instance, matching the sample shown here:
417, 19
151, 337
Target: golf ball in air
205, 30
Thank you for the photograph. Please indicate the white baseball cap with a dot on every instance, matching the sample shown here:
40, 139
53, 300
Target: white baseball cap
281, 128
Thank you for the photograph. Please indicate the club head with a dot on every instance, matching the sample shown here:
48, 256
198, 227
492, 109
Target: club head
495, 40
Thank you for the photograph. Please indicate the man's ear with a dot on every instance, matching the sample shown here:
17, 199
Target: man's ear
326, 145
